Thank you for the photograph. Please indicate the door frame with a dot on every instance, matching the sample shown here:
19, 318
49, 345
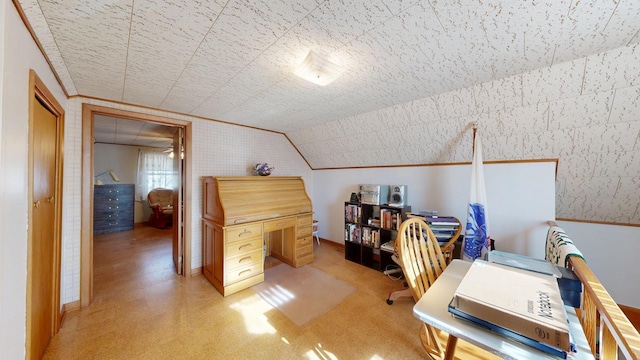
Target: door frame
86, 231
38, 91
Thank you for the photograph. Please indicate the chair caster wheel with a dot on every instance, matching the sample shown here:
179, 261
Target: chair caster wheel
389, 301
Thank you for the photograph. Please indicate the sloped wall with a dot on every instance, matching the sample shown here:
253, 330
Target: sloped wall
584, 112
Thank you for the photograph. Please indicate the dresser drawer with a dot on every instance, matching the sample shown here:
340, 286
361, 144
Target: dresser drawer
112, 201
243, 233
243, 247
244, 259
113, 190
279, 224
105, 207
237, 274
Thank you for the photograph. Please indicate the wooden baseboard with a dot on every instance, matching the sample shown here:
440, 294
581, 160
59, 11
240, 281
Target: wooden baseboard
633, 314
331, 243
72, 306
196, 271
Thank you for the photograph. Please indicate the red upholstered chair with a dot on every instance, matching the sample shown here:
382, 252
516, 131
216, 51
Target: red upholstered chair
161, 204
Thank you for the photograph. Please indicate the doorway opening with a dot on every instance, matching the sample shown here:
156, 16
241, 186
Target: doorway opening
181, 218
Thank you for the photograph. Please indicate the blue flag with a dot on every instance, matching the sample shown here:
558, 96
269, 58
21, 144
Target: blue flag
476, 237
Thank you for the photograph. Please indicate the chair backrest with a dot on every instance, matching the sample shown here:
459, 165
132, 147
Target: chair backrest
163, 197
420, 256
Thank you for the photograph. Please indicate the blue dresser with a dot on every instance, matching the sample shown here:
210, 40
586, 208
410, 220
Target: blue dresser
112, 208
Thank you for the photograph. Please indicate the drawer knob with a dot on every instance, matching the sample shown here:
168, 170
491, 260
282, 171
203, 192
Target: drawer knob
244, 271
245, 232
244, 246
244, 258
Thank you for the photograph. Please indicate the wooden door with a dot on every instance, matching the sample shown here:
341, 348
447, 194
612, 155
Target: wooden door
178, 226
41, 314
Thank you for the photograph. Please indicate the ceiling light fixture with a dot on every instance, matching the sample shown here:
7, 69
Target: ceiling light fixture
318, 69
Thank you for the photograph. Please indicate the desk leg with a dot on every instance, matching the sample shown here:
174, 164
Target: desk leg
451, 347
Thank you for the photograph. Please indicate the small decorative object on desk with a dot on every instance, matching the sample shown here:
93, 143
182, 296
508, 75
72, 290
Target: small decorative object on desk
263, 169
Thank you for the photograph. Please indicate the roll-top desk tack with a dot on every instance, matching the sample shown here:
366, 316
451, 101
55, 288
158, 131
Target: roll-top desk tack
243, 216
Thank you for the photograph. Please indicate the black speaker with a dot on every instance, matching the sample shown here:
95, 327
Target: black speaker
397, 195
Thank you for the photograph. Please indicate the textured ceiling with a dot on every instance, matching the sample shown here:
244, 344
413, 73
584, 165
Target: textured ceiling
234, 60
111, 130
555, 79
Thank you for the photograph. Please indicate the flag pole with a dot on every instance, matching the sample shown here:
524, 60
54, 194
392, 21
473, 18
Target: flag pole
473, 141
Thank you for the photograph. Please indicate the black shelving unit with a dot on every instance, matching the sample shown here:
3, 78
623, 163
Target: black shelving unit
369, 226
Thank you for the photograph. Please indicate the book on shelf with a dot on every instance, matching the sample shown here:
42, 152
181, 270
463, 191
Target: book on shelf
370, 237
508, 333
390, 219
521, 301
352, 213
352, 233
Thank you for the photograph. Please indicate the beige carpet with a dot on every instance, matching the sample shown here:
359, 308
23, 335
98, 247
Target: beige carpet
302, 294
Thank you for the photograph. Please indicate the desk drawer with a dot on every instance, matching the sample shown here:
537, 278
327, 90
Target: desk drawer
305, 241
240, 273
304, 251
243, 247
304, 220
279, 224
244, 259
304, 231
243, 233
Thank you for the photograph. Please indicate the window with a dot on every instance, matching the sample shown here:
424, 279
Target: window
155, 170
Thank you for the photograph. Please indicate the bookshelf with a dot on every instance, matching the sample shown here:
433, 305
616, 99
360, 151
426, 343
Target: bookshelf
366, 227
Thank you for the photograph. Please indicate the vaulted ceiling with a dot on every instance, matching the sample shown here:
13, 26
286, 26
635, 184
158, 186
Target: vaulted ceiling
233, 60
454, 61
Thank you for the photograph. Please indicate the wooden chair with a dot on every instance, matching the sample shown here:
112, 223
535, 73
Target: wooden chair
447, 251
422, 262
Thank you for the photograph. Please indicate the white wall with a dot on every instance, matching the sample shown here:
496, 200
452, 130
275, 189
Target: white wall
516, 216
520, 201
611, 251
19, 54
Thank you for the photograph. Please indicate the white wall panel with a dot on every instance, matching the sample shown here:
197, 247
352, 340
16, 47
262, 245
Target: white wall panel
521, 197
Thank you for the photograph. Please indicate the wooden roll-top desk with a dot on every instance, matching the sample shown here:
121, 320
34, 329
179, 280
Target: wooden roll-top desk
247, 217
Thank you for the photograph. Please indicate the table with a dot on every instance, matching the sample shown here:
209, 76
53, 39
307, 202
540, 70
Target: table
432, 309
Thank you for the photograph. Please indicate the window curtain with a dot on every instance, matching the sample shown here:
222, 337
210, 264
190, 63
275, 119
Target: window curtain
155, 170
